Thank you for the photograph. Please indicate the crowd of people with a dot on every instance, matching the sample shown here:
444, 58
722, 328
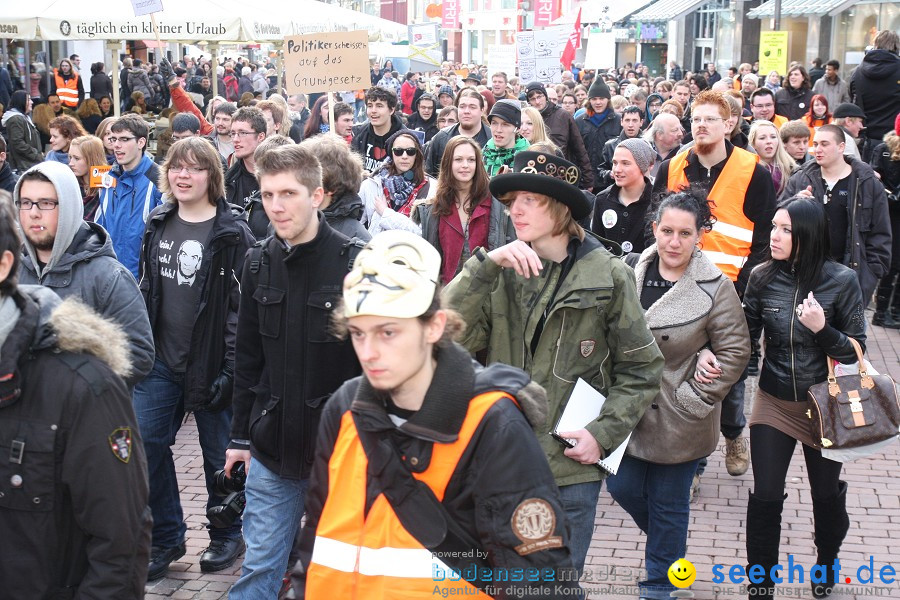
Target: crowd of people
377, 305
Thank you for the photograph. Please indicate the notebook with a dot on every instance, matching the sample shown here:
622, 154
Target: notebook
584, 406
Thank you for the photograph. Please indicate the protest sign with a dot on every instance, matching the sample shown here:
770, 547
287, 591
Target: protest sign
146, 7
326, 62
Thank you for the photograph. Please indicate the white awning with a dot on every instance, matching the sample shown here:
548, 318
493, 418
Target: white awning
666, 10
801, 8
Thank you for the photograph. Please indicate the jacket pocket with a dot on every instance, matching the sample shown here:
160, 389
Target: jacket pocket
311, 426
688, 400
319, 309
773, 317
27, 466
265, 428
271, 308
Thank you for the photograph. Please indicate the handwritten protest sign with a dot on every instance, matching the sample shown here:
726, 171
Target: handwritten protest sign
146, 7
327, 62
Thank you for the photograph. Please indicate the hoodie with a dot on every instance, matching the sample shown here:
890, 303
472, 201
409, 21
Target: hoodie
83, 264
124, 209
344, 214
875, 88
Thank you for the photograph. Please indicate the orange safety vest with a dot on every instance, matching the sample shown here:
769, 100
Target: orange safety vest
359, 555
67, 90
728, 244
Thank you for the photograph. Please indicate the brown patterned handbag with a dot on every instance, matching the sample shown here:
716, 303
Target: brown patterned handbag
853, 410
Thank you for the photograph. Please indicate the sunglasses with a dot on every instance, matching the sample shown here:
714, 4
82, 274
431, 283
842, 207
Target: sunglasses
402, 151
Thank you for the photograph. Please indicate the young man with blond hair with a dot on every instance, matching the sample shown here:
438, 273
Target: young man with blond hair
534, 304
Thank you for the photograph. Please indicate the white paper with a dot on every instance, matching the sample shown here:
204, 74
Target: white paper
583, 407
145, 7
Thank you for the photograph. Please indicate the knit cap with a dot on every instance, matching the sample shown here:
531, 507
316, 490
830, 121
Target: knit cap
445, 89
641, 151
599, 89
508, 110
535, 86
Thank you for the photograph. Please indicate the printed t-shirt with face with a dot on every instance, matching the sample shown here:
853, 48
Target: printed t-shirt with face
181, 255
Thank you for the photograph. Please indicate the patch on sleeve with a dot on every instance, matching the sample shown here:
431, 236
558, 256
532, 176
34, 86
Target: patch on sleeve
587, 347
534, 522
120, 443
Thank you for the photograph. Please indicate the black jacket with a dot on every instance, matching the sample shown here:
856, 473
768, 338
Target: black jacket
361, 133
344, 213
595, 137
759, 204
627, 225
242, 190
869, 238
875, 88
101, 85
78, 526
562, 130
792, 103
288, 360
416, 122
434, 152
213, 334
502, 467
795, 356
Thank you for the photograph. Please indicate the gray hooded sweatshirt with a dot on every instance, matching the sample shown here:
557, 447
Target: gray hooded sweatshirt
83, 264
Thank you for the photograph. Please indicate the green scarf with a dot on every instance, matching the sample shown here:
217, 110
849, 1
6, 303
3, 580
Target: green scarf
495, 157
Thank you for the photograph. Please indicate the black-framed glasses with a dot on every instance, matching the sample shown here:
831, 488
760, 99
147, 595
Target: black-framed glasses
41, 204
124, 139
402, 151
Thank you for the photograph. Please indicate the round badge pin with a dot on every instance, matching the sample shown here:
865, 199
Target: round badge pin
609, 218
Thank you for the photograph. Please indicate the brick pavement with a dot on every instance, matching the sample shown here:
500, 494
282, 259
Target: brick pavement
616, 554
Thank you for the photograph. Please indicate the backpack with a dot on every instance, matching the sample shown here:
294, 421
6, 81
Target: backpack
231, 88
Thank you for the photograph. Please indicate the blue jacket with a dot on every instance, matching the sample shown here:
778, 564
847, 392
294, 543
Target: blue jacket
124, 209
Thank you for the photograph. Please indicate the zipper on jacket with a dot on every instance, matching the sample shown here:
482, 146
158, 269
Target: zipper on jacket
793, 373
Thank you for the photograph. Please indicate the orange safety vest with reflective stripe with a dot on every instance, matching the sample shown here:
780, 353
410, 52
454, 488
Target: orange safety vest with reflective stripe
728, 244
360, 555
67, 89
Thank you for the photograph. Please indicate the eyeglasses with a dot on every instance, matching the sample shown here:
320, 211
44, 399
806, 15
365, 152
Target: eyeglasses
769, 105
182, 169
242, 133
702, 120
41, 204
123, 139
402, 151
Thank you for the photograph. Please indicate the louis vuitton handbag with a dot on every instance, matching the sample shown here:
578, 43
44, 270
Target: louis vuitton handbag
853, 410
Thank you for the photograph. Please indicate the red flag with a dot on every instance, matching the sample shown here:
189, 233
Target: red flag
568, 54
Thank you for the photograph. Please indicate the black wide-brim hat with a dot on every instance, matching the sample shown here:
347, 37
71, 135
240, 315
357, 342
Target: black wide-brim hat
547, 174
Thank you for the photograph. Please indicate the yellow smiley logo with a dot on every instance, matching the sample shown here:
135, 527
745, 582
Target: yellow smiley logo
682, 573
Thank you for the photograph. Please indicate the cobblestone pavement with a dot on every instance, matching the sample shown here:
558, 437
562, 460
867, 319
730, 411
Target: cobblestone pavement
616, 555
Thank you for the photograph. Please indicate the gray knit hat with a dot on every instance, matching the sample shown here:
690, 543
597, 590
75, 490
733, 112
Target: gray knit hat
641, 151
508, 110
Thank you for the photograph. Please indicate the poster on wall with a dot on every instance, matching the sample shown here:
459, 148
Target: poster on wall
773, 51
538, 54
450, 14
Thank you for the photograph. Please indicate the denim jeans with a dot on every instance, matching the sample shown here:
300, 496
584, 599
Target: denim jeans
159, 406
657, 498
580, 503
271, 519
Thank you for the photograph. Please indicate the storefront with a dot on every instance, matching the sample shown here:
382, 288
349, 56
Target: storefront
839, 29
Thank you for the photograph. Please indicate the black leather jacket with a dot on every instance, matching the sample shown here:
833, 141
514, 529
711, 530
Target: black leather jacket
795, 357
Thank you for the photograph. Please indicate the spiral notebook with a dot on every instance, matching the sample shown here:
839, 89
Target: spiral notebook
584, 406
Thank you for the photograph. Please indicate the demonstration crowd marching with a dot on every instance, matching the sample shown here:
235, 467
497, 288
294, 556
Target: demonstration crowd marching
381, 308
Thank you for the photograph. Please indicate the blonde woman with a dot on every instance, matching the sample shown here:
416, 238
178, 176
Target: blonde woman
766, 141
532, 127
87, 151
619, 103
103, 134
41, 117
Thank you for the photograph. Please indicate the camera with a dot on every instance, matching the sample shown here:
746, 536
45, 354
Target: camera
225, 514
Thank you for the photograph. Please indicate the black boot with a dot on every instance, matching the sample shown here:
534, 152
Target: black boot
831, 525
763, 540
886, 302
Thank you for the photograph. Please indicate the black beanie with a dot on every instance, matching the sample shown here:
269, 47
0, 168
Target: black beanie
535, 86
599, 89
508, 110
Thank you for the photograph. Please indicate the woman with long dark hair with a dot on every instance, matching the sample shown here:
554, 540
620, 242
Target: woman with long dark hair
390, 194
318, 119
806, 306
793, 100
689, 304
23, 139
463, 215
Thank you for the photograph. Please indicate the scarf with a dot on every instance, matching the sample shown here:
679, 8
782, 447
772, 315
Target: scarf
9, 316
597, 118
324, 128
495, 157
398, 188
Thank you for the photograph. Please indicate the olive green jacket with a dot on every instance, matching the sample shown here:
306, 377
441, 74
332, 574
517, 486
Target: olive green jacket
595, 329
